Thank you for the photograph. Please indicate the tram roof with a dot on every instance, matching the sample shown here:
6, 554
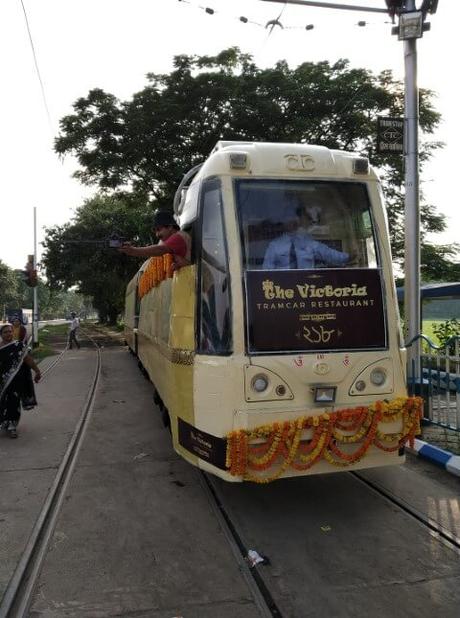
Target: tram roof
274, 159
269, 160
435, 290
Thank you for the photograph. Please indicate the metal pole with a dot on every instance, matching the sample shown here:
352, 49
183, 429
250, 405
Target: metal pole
35, 305
412, 206
331, 5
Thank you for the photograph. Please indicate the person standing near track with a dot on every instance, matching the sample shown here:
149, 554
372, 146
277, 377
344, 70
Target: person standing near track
19, 330
74, 326
16, 386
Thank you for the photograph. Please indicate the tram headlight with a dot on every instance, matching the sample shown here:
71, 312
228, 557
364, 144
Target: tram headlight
378, 376
259, 383
361, 165
280, 390
360, 385
238, 160
324, 394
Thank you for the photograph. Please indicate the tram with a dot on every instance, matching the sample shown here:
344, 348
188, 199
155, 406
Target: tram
267, 368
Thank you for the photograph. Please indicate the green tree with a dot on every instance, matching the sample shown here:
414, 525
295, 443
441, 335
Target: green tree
77, 253
10, 296
148, 142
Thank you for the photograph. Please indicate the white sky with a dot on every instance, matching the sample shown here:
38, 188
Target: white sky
112, 44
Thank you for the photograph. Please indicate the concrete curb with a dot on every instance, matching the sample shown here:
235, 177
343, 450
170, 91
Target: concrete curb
437, 455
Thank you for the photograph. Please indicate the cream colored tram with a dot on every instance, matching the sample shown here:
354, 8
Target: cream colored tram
131, 316
269, 370
132, 309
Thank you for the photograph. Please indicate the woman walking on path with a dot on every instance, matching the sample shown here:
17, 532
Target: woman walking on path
16, 386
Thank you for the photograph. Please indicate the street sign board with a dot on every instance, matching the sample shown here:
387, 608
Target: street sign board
390, 135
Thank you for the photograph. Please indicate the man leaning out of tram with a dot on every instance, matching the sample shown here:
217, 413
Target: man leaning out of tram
171, 240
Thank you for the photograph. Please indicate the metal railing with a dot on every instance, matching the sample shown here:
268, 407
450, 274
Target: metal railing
437, 380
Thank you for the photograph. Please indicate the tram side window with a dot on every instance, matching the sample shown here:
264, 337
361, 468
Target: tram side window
214, 324
305, 224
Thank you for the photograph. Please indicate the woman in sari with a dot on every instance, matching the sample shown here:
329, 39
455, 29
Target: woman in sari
19, 330
16, 385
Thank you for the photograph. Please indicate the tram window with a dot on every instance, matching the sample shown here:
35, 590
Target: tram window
332, 219
214, 324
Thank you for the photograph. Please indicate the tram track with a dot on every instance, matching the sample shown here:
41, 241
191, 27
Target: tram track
55, 362
18, 594
267, 599
263, 596
450, 539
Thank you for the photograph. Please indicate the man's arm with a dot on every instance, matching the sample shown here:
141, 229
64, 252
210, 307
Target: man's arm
331, 256
150, 251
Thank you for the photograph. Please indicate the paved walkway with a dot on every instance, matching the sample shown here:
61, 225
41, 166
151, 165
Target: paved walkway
136, 535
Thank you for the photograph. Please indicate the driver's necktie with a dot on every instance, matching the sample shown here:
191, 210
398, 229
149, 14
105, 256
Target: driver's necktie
292, 256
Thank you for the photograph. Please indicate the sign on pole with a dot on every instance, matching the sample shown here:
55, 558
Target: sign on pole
390, 135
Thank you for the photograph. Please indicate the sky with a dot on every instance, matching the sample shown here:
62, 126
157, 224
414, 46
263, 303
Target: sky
113, 44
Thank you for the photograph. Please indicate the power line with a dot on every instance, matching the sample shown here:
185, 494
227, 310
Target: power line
37, 68
272, 22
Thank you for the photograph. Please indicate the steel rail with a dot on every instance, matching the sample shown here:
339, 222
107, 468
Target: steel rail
61, 354
262, 597
18, 594
54, 363
435, 528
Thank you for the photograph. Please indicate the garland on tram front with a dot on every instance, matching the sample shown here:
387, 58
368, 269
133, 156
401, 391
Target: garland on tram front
251, 452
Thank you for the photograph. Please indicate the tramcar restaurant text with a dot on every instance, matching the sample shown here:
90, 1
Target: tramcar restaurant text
349, 303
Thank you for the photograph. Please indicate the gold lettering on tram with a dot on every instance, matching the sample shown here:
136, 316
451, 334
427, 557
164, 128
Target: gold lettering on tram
306, 290
315, 334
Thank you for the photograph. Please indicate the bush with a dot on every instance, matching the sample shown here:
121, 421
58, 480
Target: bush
446, 330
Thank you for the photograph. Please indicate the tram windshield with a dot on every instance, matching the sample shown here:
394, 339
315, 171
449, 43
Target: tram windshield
302, 224
312, 278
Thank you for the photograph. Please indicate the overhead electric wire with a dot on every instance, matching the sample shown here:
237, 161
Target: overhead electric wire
272, 22
37, 69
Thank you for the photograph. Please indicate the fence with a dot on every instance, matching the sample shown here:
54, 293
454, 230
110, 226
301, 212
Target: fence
438, 381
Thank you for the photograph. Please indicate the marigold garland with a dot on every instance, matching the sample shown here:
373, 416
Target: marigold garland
280, 445
158, 269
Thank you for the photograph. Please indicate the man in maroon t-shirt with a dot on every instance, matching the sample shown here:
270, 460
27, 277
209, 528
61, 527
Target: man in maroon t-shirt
171, 241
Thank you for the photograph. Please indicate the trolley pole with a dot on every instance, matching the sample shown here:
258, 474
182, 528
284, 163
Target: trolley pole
35, 301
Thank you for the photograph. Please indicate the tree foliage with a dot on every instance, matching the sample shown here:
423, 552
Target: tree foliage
77, 253
144, 145
10, 296
52, 303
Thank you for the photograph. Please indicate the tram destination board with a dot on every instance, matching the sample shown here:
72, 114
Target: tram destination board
390, 135
303, 310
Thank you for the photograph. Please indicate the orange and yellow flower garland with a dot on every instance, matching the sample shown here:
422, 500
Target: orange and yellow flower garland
158, 269
281, 443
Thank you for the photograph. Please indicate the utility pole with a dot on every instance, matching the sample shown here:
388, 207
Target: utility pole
35, 303
412, 205
410, 27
